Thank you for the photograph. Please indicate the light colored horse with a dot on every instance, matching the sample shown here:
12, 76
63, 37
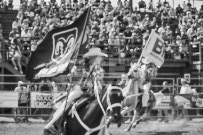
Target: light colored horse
154, 100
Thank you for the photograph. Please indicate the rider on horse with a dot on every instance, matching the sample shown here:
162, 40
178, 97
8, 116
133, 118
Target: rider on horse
143, 73
95, 57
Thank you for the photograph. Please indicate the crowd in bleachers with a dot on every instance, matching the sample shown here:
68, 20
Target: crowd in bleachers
6, 5
118, 29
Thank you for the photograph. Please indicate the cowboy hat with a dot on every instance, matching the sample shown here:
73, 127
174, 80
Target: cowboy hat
183, 80
20, 83
94, 52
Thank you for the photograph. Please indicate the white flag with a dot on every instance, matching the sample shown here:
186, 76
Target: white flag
154, 49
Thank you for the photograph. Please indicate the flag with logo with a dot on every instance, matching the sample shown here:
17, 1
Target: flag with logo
57, 49
154, 49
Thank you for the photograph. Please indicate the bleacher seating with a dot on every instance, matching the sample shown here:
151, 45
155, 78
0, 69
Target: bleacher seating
115, 58
7, 18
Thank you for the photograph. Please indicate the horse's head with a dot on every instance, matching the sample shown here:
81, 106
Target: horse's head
114, 99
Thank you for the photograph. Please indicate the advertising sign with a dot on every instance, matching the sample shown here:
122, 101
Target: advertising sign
8, 99
164, 104
42, 100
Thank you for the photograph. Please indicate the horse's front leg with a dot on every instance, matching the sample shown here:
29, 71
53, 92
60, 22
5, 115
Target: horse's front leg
126, 110
109, 121
137, 122
132, 122
123, 112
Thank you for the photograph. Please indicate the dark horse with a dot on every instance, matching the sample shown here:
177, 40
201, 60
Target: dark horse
91, 111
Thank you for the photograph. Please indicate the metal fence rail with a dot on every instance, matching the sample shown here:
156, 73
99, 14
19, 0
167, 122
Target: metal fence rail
9, 101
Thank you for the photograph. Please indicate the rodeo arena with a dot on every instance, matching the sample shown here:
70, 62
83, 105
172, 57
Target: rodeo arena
101, 67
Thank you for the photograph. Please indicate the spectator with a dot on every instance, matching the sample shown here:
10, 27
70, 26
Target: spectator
159, 4
151, 5
45, 86
161, 30
163, 114
13, 33
26, 35
153, 23
1, 41
10, 4
179, 10
127, 36
201, 12
168, 34
165, 17
165, 3
22, 100
106, 19
169, 52
177, 55
33, 45
146, 22
54, 87
185, 89
17, 54
142, 4
16, 24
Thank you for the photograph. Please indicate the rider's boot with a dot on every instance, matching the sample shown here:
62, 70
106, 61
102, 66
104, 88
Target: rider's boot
51, 126
145, 99
55, 122
51, 130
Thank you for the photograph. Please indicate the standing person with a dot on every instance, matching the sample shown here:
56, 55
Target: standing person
95, 71
185, 89
164, 113
22, 100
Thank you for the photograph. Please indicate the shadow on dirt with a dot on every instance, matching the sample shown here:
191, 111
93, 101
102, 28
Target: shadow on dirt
167, 133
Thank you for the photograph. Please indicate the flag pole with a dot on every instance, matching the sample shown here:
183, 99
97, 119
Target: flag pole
83, 32
88, 14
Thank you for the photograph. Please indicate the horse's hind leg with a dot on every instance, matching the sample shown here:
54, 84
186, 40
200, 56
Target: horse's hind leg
132, 122
137, 122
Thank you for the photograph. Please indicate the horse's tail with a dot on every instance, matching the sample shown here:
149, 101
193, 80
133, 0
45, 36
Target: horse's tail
158, 97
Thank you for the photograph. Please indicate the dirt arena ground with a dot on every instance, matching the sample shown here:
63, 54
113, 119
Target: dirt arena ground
181, 127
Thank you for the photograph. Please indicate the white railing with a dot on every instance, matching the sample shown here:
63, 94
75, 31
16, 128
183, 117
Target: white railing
39, 104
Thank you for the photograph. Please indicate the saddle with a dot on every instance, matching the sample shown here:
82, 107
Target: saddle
151, 96
85, 99
81, 101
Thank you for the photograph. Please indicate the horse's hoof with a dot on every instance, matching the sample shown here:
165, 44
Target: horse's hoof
134, 125
127, 129
108, 124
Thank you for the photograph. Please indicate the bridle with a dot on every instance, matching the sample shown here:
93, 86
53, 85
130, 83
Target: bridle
109, 104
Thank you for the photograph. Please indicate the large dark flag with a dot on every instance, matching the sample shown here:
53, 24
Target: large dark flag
55, 52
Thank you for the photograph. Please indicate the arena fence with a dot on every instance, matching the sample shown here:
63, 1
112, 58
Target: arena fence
39, 103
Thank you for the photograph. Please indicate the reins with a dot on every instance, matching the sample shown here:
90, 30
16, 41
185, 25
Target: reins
110, 106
